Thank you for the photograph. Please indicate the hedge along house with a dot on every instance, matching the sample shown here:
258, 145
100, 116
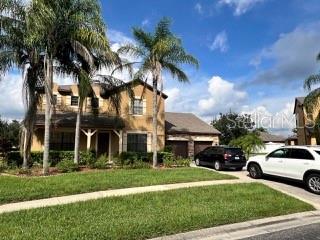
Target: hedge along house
102, 130
187, 135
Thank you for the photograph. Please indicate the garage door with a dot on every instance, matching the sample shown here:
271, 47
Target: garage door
179, 148
199, 146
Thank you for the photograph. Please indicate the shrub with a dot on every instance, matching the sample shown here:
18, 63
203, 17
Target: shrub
87, 158
101, 162
169, 160
24, 171
139, 164
66, 166
132, 160
3, 166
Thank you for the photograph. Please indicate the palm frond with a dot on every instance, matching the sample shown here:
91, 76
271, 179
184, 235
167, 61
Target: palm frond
143, 38
311, 81
83, 52
175, 71
163, 29
311, 101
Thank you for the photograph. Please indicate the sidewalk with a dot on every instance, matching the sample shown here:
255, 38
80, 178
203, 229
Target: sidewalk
12, 207
249, 228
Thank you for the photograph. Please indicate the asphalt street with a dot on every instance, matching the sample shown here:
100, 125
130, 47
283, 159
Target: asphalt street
308, 232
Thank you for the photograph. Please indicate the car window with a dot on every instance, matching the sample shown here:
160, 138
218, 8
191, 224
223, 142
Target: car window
280, 153
298, 153
209, 150
234, 151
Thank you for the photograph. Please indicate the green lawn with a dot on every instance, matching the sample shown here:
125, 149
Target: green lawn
14, 189
150, 214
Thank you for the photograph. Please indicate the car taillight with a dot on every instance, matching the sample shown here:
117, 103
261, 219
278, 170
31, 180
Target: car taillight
226, 156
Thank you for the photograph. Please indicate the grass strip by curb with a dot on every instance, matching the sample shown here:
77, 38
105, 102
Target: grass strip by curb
150, 214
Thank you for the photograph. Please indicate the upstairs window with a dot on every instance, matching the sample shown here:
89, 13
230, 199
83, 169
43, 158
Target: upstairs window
95, 102
55, 99
74, 100
137, 108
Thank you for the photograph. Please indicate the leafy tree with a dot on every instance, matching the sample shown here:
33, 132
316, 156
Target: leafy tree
232, 125
261, 129
67, 30
249, 143
17, 52
159, 51
9, 135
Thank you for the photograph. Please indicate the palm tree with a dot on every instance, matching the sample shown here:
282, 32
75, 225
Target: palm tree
160, 51
311, 102
15, 52
250, 143
67, 30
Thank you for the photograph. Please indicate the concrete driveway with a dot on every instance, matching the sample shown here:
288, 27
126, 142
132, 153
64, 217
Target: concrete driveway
291, 188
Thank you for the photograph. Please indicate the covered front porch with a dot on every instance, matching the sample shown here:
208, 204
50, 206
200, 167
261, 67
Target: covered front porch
102, 134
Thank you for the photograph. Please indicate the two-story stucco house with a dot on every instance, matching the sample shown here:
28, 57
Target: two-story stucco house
304, 123
105, 132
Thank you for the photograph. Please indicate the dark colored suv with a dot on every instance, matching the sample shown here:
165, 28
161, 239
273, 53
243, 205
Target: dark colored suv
221, 157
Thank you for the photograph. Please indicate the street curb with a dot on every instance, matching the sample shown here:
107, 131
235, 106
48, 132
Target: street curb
249, 228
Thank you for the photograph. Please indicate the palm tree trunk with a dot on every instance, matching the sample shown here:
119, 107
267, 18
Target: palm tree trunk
155, 123
48, 89
27, 142
24, 148
77, 135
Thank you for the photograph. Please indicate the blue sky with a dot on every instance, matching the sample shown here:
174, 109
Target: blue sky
254, 54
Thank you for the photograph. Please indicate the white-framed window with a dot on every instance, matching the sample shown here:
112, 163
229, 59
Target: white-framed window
74, 101
137, 107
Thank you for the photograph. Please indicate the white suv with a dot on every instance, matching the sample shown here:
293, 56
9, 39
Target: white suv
295, 162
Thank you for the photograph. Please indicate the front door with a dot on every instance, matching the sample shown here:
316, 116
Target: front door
103, 143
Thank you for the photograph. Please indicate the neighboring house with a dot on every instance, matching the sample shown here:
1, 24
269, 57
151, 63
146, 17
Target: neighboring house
305, 135
271, 142
292, 140
187, 134
101, 129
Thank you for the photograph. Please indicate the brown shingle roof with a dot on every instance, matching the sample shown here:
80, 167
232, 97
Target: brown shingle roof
187, 123
267, 137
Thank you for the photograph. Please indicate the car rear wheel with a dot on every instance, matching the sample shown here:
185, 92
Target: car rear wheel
255, 171
217, 165
197, 162
313, 183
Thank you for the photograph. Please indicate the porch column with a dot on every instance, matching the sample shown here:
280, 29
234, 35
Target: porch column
89, 134
110, 140
120, 135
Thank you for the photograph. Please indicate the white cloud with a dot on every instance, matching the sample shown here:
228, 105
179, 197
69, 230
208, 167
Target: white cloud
223, 95
240, 6
173, 96
118, 37
293, 54
281, 121
11, 104
145, 22
198, 8
220, 42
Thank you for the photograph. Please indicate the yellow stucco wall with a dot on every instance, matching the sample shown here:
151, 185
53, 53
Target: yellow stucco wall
133, 123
